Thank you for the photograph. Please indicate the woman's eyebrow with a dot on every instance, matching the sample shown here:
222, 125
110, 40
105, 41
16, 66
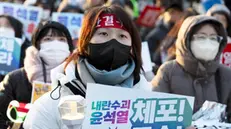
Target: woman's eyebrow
213, 34
206, 33
50, 35
202, 33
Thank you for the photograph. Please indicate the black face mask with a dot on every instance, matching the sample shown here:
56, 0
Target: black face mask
109, 55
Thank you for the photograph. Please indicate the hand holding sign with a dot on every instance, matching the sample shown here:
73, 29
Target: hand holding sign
17, 112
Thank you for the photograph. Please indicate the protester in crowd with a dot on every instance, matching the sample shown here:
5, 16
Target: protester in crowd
196, 70
126, 4
166, 50
48, 7
154, 38
52, 44
107, 54
13, 28
228, 4
166, 3
68, 6
94, 3
222, 14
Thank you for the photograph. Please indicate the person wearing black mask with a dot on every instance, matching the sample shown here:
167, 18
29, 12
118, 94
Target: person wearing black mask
108, 52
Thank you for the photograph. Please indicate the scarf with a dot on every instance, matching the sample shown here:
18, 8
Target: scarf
121, 76
33, 66
87, 73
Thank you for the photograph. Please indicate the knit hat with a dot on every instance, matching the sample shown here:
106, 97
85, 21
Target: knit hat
48, 25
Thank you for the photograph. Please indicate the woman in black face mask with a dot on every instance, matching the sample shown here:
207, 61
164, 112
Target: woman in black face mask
109, 52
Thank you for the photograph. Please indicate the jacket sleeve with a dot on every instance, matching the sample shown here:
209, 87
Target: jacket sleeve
6, 96
43, 114
161, 82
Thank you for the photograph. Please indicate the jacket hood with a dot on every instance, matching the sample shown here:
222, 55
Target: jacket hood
184, 55
219, 8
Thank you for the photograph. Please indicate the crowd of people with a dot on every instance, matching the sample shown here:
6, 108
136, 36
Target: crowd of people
185, 48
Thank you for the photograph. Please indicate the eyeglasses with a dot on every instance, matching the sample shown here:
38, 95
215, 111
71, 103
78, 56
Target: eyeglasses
211, 37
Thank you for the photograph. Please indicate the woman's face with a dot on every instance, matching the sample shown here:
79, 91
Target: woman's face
103, 35
222, 19
5, 23
207, 30
205, 43
6, 30
49, 37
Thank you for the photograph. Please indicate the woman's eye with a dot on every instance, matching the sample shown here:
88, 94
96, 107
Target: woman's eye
103, 34
47, 39
123, 36
63, 39
214, 38
201, 37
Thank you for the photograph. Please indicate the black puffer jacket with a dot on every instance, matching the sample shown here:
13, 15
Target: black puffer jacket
15, 86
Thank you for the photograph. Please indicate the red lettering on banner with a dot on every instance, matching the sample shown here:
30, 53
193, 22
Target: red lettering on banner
226, 55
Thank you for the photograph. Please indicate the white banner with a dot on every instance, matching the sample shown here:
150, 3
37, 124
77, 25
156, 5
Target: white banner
30, 16
110, 107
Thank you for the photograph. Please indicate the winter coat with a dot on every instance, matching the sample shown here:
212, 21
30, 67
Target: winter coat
188, 76
44, 113
14, 87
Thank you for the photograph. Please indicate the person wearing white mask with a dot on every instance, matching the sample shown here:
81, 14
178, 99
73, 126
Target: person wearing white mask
13, 28
52, 44
196, 71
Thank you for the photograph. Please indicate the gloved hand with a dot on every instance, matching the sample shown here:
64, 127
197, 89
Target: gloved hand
17, 111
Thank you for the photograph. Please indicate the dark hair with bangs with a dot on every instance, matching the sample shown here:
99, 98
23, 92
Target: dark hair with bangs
199, 26
88, 29
56, 29
54, 32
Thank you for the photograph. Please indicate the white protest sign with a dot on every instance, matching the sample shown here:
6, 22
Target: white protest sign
30, 16
146, 58
73, 21
110, 107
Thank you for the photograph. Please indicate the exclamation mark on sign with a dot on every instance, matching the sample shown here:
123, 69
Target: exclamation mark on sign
181, 111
